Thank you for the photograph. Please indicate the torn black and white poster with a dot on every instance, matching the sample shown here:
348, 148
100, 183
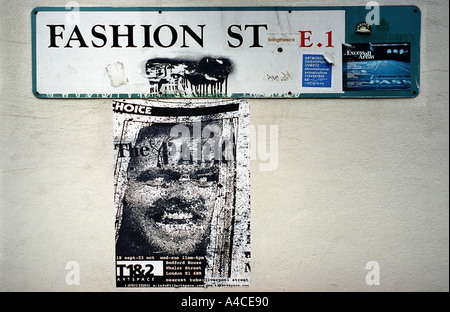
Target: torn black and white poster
182, 199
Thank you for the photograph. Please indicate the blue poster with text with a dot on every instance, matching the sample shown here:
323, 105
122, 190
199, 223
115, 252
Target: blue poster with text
316, 71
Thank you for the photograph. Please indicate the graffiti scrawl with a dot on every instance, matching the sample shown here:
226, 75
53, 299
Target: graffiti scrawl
176, 77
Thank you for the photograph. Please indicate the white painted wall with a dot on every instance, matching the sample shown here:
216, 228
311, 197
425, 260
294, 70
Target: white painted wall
357, 180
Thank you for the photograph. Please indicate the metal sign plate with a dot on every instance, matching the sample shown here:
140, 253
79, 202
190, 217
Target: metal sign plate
270, 52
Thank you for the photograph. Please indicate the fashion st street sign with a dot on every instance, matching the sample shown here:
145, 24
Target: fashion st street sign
221, 52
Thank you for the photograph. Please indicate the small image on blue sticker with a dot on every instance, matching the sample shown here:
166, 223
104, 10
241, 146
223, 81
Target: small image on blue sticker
316, 71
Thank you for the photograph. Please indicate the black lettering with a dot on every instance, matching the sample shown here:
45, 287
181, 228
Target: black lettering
116, 36
120, 146
158, 41
187, 29
147, 43
98, 35
235, 36
53, 35
256, 35
144, 150
79, 38
134, 151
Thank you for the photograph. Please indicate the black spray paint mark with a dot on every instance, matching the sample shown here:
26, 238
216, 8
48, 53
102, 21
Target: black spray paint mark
206, 77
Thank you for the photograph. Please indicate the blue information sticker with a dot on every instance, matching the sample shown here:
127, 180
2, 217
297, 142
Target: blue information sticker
316, 71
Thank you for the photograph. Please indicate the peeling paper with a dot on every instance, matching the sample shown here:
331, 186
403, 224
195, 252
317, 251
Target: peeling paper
329, 58
116, 74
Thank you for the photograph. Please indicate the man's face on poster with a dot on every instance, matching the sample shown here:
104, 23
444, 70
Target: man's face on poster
169, 197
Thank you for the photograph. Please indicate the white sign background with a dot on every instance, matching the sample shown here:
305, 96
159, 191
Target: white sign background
272, 70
